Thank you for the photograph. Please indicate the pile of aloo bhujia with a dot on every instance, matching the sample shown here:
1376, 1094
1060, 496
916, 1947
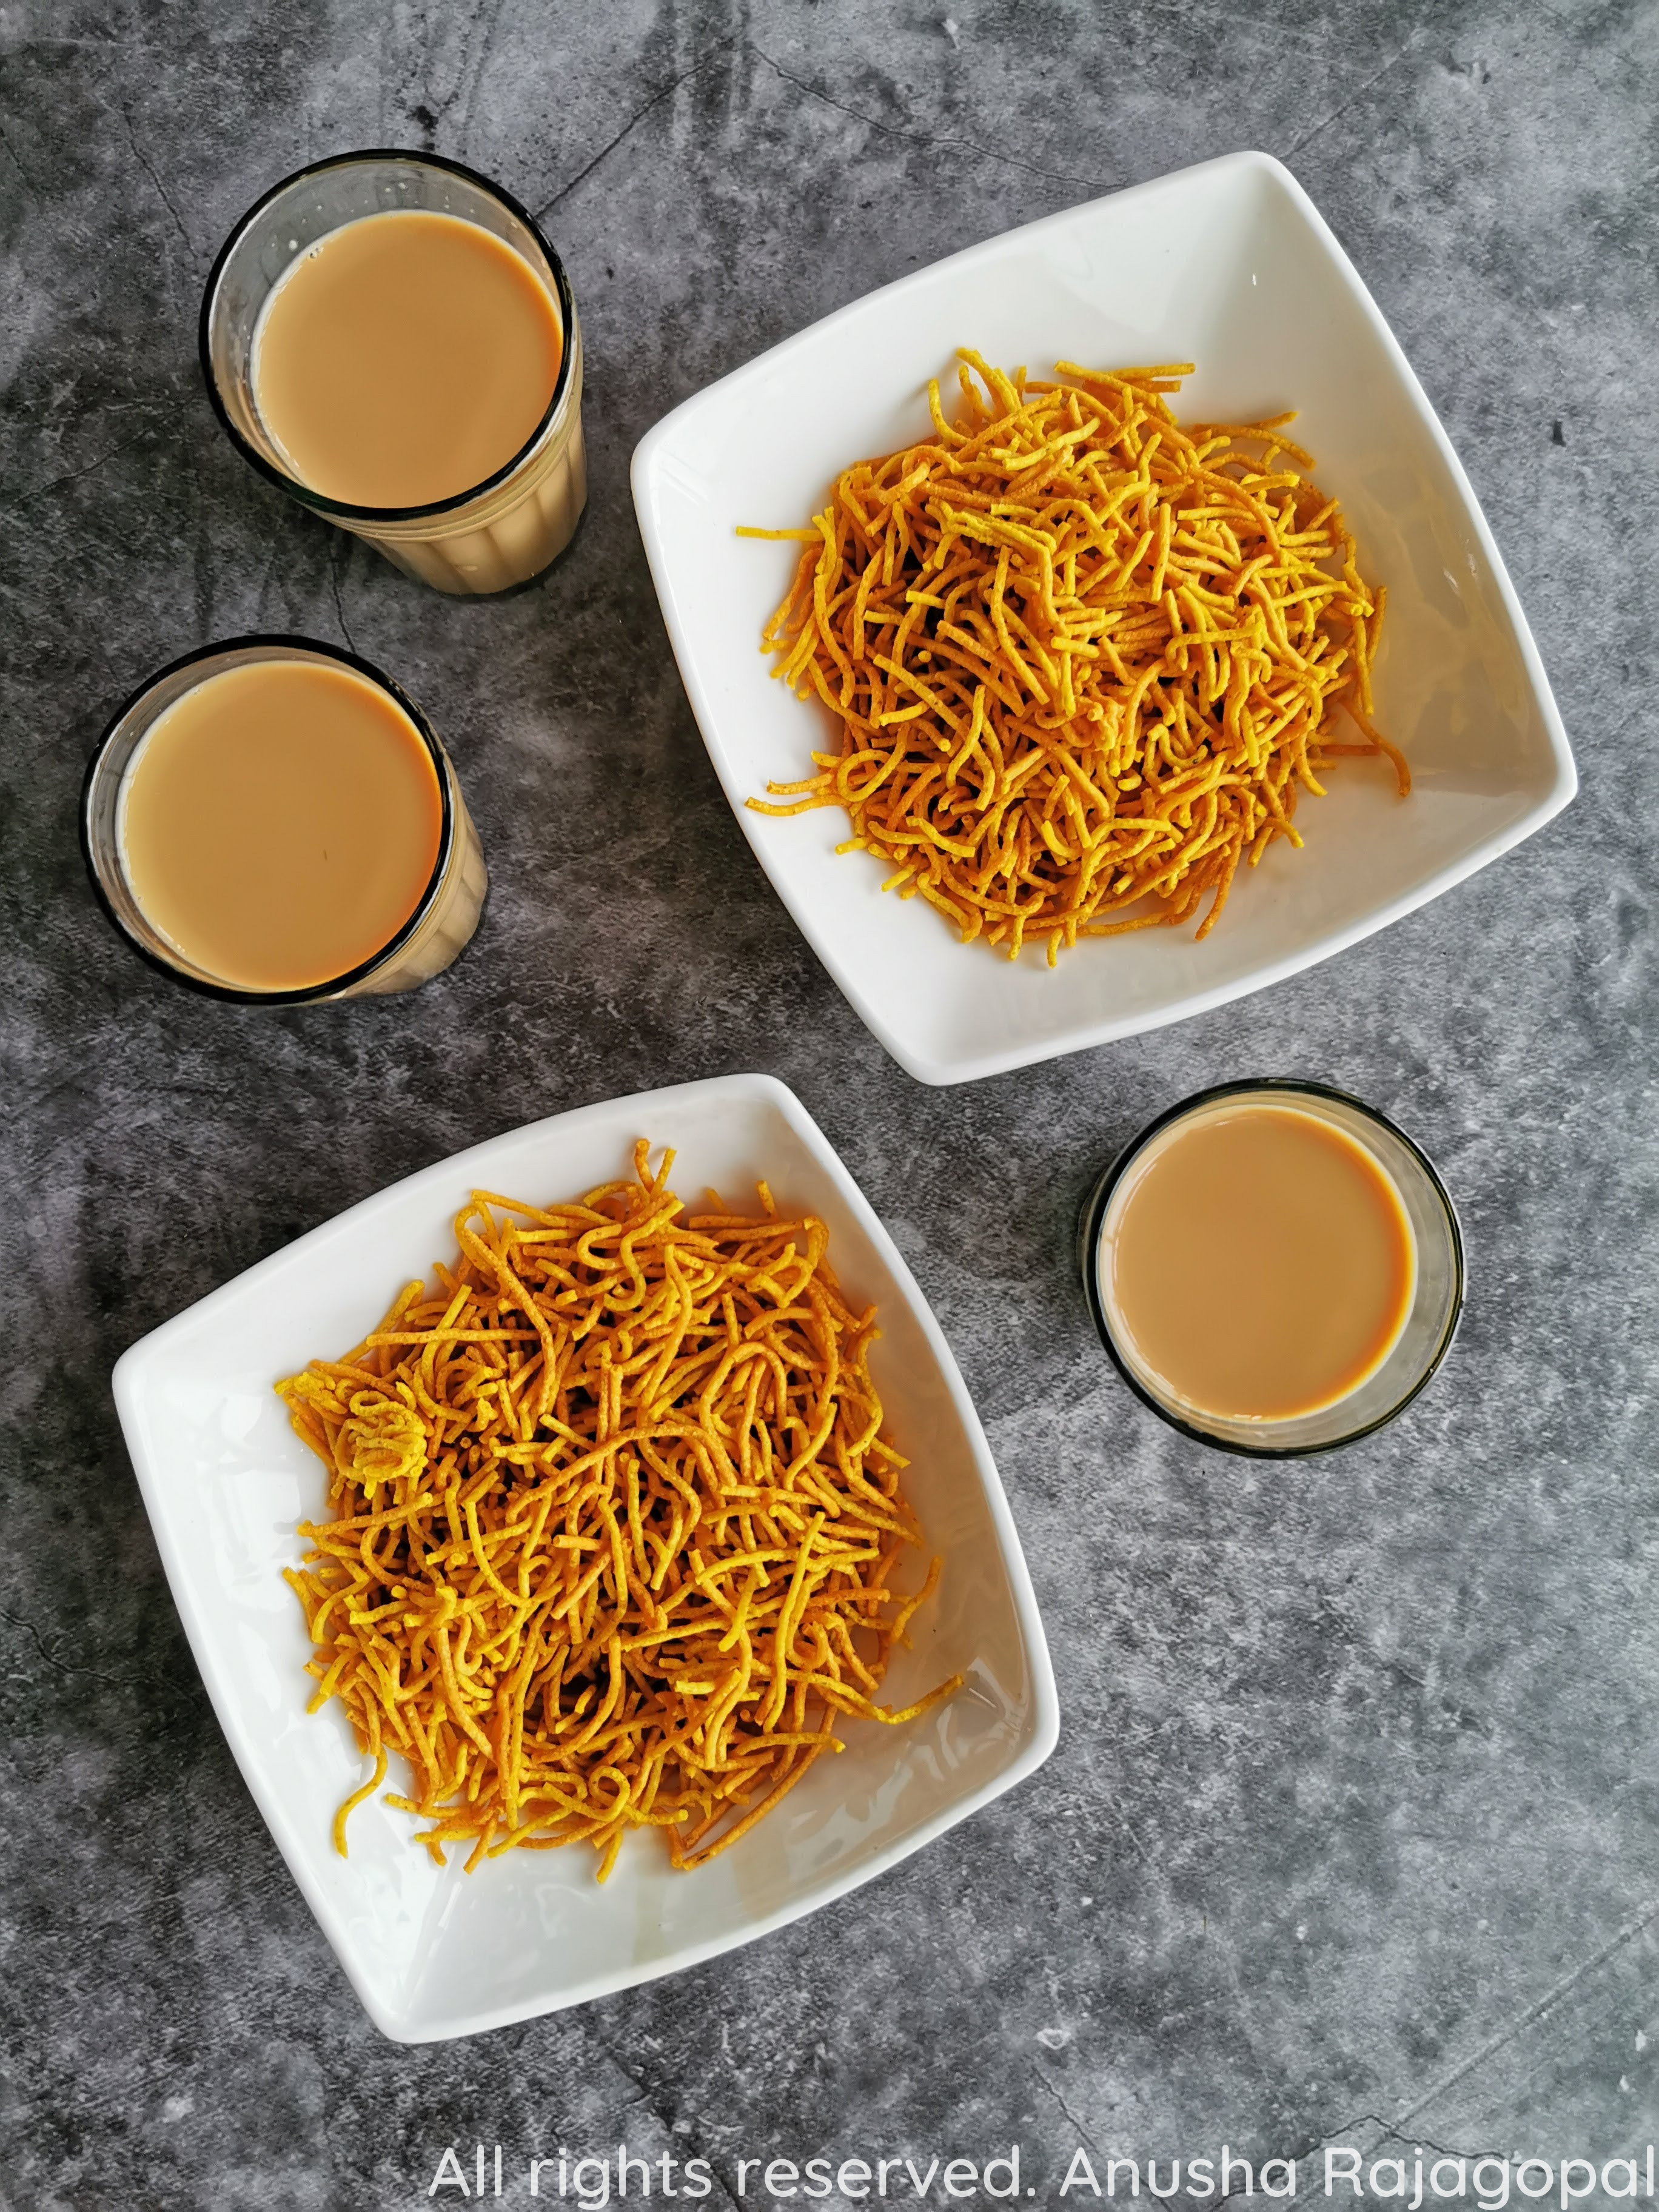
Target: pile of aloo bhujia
615, 1525
1081, 657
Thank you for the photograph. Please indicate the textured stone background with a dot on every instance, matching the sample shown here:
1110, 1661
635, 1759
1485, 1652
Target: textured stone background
1354, 1824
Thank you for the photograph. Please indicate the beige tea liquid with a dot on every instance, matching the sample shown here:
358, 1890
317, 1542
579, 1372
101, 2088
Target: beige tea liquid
405, 359
1257, 1262
280, 824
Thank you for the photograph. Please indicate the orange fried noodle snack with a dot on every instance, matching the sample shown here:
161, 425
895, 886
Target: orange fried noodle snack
1081, 658
614, 1525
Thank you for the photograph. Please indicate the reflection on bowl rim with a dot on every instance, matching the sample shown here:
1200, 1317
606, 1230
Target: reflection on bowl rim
295, 486
1092, 1219
275, 646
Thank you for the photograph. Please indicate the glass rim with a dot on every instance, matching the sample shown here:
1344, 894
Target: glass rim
292, 484
274, 646
1092, 1221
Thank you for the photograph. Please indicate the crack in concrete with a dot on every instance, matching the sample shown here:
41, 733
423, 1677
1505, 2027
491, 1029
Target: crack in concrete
474, 70
658, 2113
29, 185
17, 1621
55, 1660
56, 483
1050, 2090
666, 92
1394, 2130
918, 138
1359, 93
1381, 2132
334, 567
161, 191
812, 92
434, 107
1536, 2010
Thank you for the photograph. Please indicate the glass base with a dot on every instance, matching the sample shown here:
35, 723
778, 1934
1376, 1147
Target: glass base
506, 548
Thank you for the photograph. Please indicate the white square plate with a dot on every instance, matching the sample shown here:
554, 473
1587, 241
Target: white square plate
438, 1952
1229, 265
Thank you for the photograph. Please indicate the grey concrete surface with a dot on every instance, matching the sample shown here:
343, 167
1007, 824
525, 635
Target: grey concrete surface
1354, 1830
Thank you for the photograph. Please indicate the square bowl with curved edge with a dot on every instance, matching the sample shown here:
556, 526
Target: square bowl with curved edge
1229, 265
434, 1951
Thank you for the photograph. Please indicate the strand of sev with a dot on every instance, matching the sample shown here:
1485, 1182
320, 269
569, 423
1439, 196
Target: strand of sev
614, 1526
1084, 660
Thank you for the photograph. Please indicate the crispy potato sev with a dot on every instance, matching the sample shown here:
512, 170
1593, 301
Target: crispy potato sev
614, 1525
1081, 658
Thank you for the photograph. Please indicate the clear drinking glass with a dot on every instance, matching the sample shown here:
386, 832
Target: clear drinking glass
502, 532
1429, 1327
440, 926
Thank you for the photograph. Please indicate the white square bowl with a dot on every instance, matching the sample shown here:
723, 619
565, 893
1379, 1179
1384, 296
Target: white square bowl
436, 1952
1229, 265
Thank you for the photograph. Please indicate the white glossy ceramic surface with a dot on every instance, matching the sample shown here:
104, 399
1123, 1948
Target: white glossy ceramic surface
1229, 265
435, 1954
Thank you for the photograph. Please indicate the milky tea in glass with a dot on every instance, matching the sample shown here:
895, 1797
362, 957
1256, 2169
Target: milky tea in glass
270, 819
392, 339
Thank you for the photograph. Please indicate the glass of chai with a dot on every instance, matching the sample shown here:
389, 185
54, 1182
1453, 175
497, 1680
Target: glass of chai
390, 339
1274, 1266
272, 821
